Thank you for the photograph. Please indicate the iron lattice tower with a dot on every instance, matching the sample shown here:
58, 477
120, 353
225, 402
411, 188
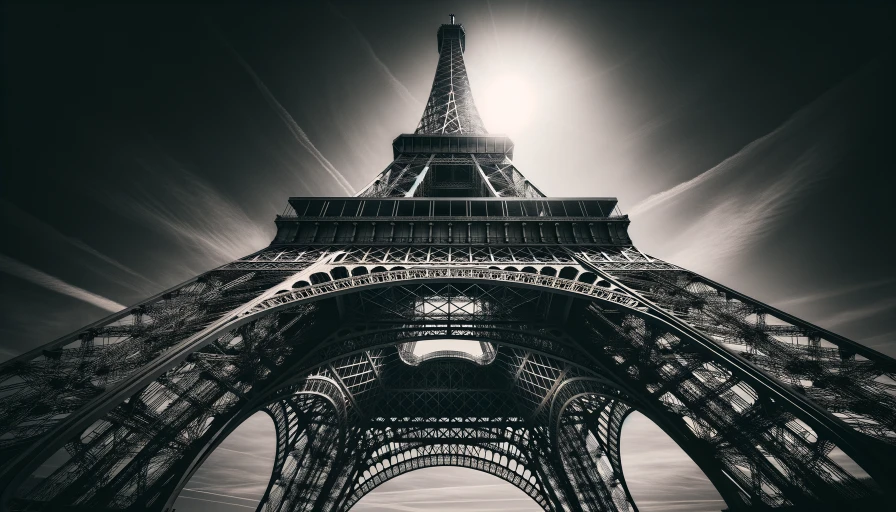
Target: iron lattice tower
577, 329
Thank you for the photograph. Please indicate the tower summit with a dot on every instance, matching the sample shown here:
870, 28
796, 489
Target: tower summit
450, 108
451, 154
576, 328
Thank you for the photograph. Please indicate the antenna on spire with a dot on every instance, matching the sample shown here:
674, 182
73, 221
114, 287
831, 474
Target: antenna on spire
452, 18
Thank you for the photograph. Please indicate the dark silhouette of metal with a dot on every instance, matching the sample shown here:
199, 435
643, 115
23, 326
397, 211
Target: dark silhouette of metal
577, 328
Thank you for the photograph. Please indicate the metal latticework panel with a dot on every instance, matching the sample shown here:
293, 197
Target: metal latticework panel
450, 108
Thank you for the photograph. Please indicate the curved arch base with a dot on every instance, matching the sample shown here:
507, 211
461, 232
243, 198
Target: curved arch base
566, 363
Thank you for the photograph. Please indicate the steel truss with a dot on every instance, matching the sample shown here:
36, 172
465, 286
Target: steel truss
450, 107
755, 446
576, 329
495, 176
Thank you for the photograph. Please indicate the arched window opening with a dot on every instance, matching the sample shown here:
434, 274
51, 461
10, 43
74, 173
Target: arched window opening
530, 270
359, 271
568, 272
236, 473
587, 277
339, 273
301, 284
319, 277
549, 271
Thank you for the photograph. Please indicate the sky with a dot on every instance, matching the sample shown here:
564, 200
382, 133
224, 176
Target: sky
143, 145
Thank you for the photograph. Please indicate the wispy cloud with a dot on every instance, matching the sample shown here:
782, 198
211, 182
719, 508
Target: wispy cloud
735, 221
860, 313
176, 202
731, 163
31, 274
882, 342
659, 474
214, 501
393, 80
222, 495
446, 488
491, 18
834, 292
287, 119
723, 211
196, 213
14, 214
229, 473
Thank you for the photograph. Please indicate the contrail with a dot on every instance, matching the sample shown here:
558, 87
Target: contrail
664, 196
744, 197
213, 501
287, 119
22, 271
222, 495
851, 315
50, 231
194, 212
396, 83
434, 489
491, 18
837, 292
804, 120
244, 453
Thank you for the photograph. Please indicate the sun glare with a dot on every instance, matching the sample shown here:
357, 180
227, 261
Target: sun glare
507, 104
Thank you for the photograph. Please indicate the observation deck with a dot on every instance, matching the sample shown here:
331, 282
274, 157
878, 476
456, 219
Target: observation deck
432, 220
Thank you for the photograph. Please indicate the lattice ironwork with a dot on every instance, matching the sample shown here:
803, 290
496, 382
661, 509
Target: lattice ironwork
450, 107
577, 329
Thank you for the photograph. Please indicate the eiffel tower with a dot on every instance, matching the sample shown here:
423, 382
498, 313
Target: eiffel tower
575, 328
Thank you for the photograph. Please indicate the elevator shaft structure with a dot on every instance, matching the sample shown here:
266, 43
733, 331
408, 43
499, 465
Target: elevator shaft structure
576, 329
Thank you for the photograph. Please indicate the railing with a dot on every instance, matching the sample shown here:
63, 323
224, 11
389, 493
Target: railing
414, 360
447, 273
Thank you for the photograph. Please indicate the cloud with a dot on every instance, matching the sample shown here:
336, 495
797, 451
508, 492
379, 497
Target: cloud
178, 203
22, 271
287, 119
214, 501
737, 220
393, 80
722, 212
725, 167
660, 476
446, 488
222, 495
14, 215
882, 342
491, 17
834, 293
861, 313
239, 469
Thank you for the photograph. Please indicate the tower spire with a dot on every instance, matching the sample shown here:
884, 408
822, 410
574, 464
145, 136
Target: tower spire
450, 108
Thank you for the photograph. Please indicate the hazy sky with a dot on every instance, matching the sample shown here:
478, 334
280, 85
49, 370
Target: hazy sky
144, 145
